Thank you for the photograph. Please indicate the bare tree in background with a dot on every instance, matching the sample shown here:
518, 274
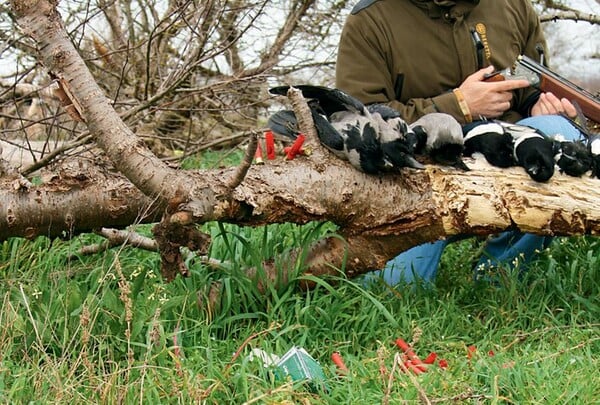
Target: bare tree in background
572, 35
184, 76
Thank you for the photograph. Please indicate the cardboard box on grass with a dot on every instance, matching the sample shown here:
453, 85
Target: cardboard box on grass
299, 365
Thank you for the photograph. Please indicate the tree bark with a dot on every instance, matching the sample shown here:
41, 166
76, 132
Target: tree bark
71, 202
379, 216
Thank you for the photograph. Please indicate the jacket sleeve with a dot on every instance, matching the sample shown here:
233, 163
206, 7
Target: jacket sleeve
364, 71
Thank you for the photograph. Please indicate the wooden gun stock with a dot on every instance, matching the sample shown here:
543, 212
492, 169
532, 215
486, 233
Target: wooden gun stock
546, 80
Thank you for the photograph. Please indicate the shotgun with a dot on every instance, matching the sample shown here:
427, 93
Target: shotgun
545, 80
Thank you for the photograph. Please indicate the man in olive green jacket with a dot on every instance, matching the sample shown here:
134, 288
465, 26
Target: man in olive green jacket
424, 56
413, 53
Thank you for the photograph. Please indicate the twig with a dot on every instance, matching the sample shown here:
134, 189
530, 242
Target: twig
413, 379
577, 346
115, 237
303, 115
562, 11
461, 397
319, 154
388, 390
248, 340
520, 337
381, 355
81, 140
293, 20
204, 146
571, 15
282, 388
242, 169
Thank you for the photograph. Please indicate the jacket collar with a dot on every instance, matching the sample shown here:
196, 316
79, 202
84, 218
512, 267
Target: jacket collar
437, 8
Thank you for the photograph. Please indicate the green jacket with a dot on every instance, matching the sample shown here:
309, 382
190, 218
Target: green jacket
412, 53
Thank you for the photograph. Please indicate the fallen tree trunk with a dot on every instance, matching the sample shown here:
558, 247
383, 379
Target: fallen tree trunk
379, 216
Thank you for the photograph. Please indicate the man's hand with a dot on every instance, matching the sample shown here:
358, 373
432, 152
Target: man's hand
489, 99
548, 103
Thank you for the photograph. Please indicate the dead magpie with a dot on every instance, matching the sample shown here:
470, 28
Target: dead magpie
593, 138
350, 130
498, 142
441, 137
572, 157
491, 140
393, 118
532, 150
594, 148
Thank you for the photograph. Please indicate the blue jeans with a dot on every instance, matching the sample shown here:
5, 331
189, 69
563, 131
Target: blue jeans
507, 248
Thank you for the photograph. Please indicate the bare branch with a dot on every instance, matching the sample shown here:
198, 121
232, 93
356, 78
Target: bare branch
115, 237
51, 156
572, 15
271, 57
239, 175
72, 203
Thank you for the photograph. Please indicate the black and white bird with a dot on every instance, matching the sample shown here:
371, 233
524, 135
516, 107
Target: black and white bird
393, 118
350, 130
492, 141
533, 151
593, 139
573, 158
440, 137
504, 145
594, 148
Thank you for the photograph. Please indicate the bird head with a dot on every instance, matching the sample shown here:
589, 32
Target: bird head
573, 158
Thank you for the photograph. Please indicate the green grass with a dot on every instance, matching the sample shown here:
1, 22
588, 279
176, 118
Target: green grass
105, 328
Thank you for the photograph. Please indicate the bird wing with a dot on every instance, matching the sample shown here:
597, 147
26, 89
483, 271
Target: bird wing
385, 111
330, 100
284, 123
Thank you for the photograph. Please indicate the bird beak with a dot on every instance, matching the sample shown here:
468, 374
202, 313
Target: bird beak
412, 162
461, 165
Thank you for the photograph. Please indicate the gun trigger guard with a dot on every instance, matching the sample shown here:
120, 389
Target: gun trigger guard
520, 72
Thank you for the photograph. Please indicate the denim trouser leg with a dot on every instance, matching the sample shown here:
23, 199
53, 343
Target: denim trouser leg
510, 248
419, 262
552, 125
